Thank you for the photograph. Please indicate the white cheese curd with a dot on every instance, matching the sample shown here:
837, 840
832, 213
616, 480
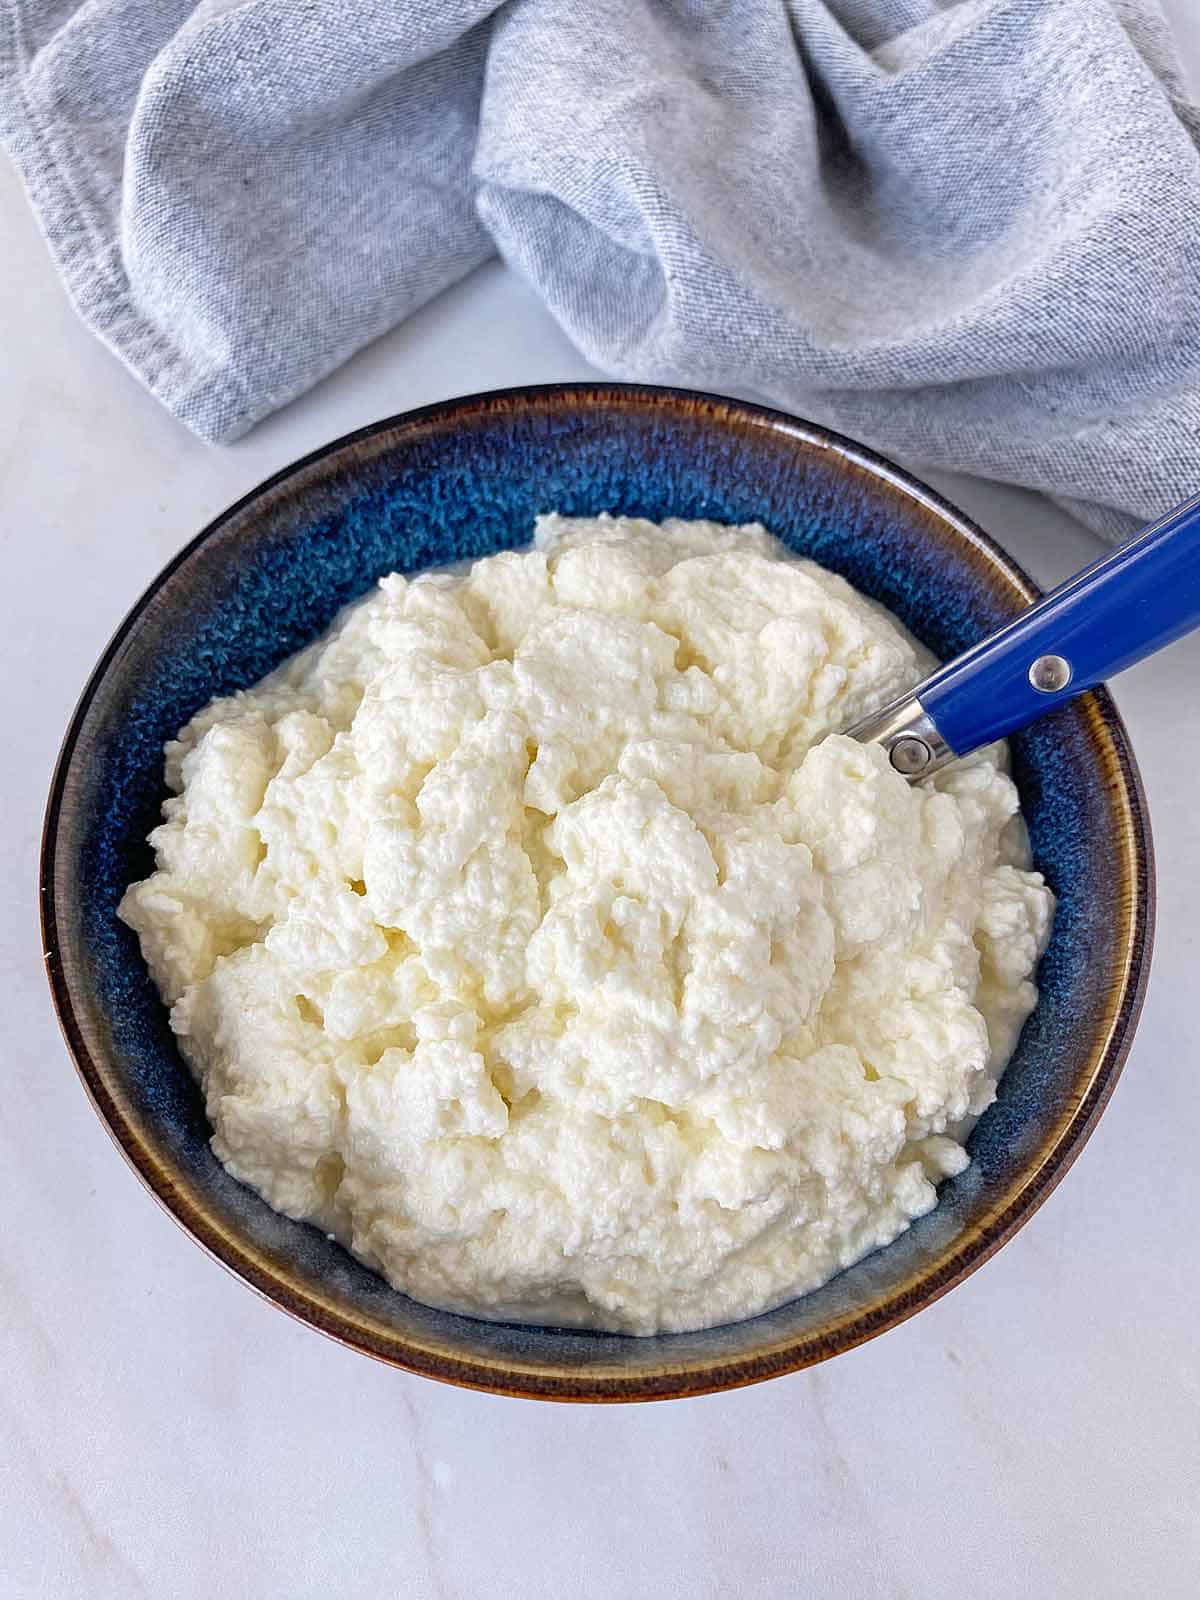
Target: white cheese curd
536, 934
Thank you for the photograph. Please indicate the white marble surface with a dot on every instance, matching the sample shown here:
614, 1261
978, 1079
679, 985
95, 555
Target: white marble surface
164, 1433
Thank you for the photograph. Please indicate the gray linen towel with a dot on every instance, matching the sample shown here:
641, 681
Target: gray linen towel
964, 232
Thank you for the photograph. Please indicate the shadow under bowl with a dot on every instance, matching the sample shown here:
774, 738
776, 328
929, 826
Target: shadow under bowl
461, 480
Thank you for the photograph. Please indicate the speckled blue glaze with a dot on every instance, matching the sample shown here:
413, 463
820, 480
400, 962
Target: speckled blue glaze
456, 483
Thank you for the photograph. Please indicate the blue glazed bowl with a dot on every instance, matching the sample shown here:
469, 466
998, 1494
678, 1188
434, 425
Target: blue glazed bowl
460, 480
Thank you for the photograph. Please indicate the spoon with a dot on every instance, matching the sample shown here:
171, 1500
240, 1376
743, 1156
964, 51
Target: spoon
1114, 613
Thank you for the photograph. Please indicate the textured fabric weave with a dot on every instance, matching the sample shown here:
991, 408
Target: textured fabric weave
963, 232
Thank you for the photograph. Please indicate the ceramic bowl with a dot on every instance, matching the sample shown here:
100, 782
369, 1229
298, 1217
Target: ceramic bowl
460, 480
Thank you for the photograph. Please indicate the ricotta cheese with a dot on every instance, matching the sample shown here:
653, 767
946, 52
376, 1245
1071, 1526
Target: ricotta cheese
536, 934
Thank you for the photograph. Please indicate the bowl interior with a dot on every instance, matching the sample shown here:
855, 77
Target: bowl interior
459, 481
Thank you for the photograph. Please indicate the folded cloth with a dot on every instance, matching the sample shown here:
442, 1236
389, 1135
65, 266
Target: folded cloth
964, 232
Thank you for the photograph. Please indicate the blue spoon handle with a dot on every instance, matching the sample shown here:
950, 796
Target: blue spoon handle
1112, 614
